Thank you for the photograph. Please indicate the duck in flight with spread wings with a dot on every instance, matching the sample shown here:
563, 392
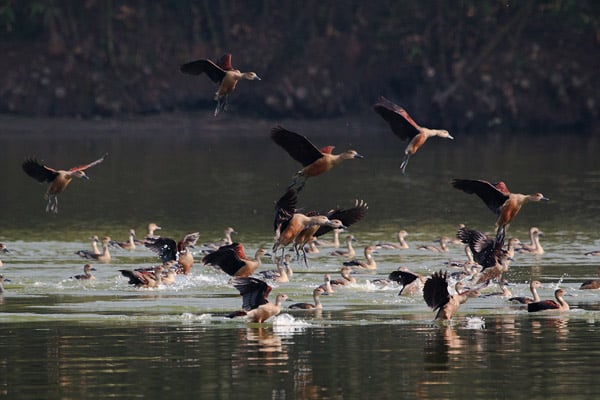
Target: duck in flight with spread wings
59, 179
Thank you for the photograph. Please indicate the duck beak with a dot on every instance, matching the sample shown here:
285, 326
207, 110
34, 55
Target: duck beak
450, 137
258, 78
358, 156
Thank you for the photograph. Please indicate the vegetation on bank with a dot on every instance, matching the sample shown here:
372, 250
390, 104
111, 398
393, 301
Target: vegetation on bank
469, 65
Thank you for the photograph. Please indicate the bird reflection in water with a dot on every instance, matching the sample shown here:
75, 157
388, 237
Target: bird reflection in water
560, 325
262, 347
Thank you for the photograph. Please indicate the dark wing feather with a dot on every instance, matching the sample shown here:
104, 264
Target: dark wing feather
225, 258
542, 305
86, 166
485, 249
403, 277
348, 216
254, 292
400, 122
285, 209
135, 277
296, 145
491, 196
435, 290
165, 247
214, 72
38, 171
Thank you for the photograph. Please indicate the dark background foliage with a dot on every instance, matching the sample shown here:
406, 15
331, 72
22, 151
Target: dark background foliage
469, 65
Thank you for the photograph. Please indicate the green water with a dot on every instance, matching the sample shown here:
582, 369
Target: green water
66, 339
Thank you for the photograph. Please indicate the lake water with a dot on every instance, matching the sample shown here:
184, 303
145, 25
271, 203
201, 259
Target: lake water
64, 339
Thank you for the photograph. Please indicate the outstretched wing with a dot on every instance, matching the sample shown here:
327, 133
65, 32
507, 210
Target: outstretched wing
38, 171
348, 216
492, 196
400, 122
285, 209
402, 277
226, 258
485, 249
296, 145
435, 290
165, 247
254, 292
86, 166
214, 72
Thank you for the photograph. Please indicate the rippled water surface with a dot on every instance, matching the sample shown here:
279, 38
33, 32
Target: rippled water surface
61, 338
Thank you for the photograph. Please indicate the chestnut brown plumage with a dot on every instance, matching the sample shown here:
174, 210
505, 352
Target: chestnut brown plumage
59, 179
406, 128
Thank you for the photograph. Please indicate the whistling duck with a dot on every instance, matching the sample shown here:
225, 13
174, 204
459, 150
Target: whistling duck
411, 282
316, 298
368, 264
179, 252
504, 292
488, 253
3, 249
437, 296
152, 227
129, 244
285, 263
533, 285
534, 247
279, 275
591, 284
149, 278
342, 216
346, 279
255, 304
592, 253
289, 223
58, 179
224, 75
406, 128
560, 304
400, 244
233, 261
327, 285
87, 274
95, 250
103, 257
464, 264
225, 241
349, 251
335, 242
443, 241
315, 161
498, 199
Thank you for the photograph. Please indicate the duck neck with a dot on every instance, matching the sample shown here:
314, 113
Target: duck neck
536, 296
